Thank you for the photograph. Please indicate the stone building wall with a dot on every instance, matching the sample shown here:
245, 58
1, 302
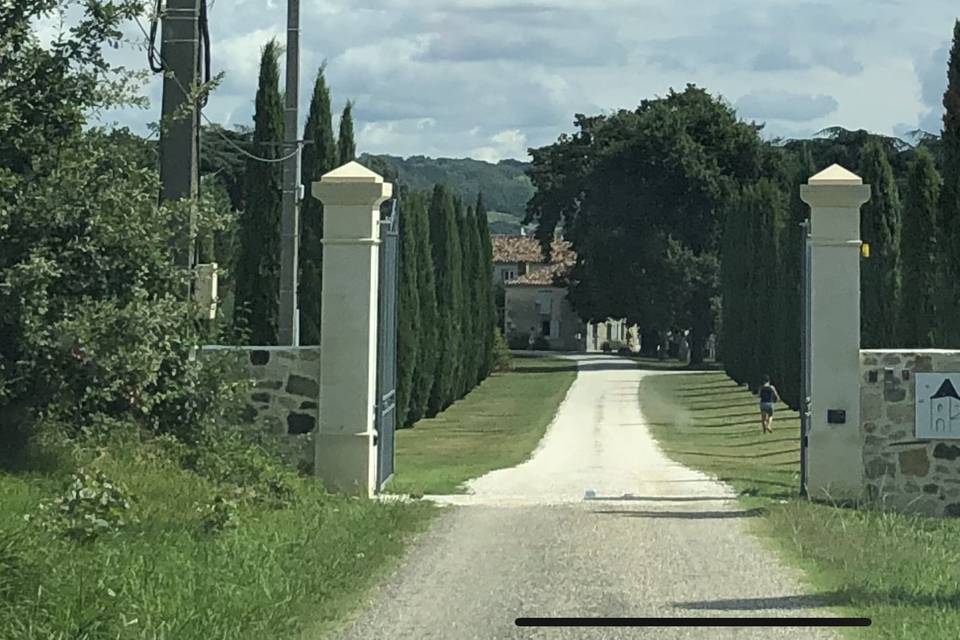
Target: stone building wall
284, 399
904, 473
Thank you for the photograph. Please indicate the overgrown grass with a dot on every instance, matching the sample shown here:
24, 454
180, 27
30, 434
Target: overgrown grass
281, 573
496, 425
901, 571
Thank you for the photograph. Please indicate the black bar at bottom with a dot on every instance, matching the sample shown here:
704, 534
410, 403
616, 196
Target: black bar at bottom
693, 622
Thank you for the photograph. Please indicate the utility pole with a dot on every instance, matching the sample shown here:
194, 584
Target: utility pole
179, 144
290, 220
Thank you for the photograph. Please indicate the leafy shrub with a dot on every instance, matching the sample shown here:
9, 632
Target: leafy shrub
517, 340
93, 323
605, 347
228, 459
219, 514
91, 506
541, 344
624, 351
502, 360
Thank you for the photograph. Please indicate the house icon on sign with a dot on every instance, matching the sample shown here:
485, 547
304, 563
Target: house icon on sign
945, 408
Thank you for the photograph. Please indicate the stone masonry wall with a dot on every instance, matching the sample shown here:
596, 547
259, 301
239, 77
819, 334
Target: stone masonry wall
906, 474
284, 400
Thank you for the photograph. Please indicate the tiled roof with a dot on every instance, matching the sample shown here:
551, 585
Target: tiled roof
545, 277
527, 249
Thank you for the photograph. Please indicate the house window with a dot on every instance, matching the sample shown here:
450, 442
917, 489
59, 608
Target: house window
522, 268
545, 328
544, 303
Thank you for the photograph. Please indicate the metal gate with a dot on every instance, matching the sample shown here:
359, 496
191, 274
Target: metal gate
386, 409
805, 358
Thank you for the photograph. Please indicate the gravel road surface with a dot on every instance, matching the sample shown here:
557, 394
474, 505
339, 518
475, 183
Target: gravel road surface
598, 523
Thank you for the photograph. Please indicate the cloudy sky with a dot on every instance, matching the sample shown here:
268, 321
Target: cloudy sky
488, 79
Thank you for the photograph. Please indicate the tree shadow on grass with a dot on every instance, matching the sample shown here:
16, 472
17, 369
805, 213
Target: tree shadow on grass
685, 515
853, 596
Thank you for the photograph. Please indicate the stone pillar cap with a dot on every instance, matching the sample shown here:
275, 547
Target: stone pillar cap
835, 175
352, 172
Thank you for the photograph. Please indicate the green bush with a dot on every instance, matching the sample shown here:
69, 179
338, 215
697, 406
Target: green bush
503, 361
517, 340
219, 514
93, 321
230, 460
541, 344
91, 506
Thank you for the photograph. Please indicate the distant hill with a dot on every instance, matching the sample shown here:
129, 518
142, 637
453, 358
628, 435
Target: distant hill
505, 186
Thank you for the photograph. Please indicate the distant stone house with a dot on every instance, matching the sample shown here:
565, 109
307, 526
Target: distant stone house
536, 297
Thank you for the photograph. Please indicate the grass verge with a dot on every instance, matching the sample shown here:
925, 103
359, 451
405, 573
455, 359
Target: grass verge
901, 571
279, 574
496, 425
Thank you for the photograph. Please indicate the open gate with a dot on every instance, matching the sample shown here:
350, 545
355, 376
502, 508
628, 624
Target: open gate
386, 409
805, 358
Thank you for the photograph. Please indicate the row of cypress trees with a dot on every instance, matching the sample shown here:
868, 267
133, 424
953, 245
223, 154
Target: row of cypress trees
257, 303
910, 284
447, 317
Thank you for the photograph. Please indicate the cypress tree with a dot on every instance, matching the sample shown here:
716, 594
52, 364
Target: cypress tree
768, 213
486, 309
791, 283
457, 301
346, 148
880, 228
472, 296
415, 210
318, 158
446, 262
258, 266
919, 248
408, 312
949, 220
734, 282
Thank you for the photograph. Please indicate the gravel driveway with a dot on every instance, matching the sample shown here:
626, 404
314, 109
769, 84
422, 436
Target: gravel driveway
597, 523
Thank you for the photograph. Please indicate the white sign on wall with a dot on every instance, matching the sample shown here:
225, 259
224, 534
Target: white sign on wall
938, 405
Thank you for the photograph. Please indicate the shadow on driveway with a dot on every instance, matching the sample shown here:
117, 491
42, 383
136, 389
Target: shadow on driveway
686, 515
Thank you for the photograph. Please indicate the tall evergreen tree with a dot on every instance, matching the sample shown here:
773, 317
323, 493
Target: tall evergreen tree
408, 312
472, 296
919, 248
416, 210
949, 222
768, 215
791, 282
319, 157
487, 309
880, 228
735, 267
257, 299
447, 264
346, 147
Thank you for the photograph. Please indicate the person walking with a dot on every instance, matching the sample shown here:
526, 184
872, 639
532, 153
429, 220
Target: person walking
768, 397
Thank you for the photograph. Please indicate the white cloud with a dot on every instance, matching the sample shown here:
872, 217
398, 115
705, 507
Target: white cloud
491, 77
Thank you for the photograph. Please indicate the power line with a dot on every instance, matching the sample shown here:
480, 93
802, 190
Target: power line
152, 51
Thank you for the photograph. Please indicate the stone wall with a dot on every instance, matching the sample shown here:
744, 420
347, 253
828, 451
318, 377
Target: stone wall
285, 396
902, 472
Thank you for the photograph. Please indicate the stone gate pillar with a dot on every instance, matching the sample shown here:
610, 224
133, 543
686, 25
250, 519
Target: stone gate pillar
346, 456
834, 466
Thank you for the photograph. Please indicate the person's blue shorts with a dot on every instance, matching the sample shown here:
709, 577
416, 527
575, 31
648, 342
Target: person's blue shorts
767, 408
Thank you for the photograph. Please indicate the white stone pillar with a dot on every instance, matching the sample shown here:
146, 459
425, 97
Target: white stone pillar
346, 456
834, 464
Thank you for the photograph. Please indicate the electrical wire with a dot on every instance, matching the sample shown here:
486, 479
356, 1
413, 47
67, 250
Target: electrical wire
213, 125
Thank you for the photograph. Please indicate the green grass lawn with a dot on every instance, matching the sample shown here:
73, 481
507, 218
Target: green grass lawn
496, 425
286, 573
901, 571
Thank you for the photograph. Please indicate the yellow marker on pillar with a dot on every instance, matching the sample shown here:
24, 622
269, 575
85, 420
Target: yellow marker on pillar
865, 250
